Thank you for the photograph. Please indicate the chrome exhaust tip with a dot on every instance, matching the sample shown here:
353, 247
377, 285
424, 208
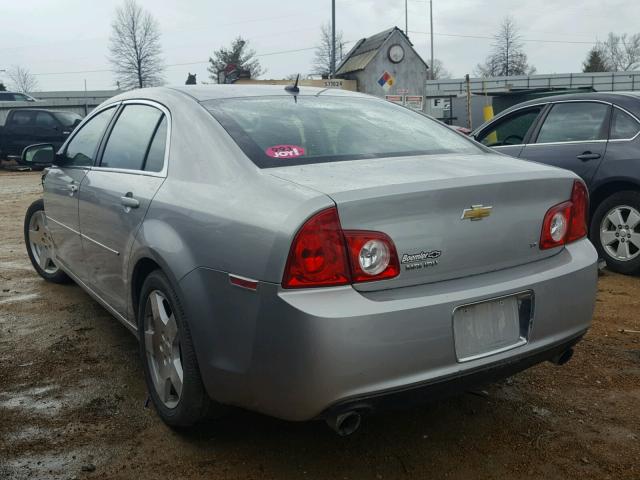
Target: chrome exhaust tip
346, 423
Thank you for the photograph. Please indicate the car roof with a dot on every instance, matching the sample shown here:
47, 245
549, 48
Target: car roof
202, 93
628, 100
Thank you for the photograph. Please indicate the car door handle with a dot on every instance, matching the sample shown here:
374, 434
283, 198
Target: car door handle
72, 189
588, 156
129, 202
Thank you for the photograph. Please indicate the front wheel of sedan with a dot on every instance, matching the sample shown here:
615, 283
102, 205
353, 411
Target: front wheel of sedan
168, 356
615, 231
39, 243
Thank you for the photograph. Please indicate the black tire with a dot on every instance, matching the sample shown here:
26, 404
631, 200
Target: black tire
194, 404
629, 198
56, 277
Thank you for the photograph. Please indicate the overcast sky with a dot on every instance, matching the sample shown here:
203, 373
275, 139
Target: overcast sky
49, 37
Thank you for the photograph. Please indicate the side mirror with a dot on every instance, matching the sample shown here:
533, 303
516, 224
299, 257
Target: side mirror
40, 154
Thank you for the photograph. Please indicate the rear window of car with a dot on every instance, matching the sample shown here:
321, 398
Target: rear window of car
285, 130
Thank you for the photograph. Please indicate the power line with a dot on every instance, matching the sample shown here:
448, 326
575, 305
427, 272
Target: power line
279, 52
493, 38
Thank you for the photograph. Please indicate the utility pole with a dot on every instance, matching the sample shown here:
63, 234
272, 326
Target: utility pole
406, 18
86, 106
431, 34
332, 73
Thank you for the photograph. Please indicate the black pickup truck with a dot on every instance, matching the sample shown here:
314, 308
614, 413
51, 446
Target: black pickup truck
28, 126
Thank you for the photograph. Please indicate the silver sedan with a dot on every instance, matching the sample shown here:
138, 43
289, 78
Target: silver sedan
311, 253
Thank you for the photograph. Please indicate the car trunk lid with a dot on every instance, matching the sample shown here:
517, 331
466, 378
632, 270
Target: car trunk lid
449, 216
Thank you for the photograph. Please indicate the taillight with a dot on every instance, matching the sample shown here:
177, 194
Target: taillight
318, 255
566, 222
323, 255
580, 212
373, 256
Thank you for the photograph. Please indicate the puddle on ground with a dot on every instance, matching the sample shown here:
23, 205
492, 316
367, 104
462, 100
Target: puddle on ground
46, 466
16, 265
19, 298
29, 434
29, 399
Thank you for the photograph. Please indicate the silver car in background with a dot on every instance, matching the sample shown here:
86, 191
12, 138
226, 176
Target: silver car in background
311, 253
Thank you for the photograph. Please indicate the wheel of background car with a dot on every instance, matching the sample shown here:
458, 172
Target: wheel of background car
40, 245
615, 231
506, 140
168, 356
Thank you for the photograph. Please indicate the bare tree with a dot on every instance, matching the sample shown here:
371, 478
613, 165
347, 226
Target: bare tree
22, 80
507, 57
322, 55
438, 71
621, 52
134, 49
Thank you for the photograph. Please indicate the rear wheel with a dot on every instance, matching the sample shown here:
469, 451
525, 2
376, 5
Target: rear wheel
615, 231
168, 356
40, 244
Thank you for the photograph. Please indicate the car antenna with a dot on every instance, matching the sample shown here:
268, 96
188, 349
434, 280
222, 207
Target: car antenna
293, 88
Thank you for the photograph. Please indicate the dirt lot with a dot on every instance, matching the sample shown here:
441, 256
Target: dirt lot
72, 402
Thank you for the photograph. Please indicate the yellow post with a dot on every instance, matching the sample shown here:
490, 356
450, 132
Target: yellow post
487, 114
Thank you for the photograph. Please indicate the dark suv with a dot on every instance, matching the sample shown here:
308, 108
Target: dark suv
596, 135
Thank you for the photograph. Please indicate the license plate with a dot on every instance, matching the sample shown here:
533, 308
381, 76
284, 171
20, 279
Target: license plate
491, 327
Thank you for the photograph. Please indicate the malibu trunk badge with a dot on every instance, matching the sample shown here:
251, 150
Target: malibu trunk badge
476, 212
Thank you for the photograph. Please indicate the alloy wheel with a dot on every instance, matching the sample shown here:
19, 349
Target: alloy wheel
619, 233
162, 346
41, 244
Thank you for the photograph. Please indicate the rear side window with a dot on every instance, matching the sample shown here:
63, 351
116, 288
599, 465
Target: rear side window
45, 119
623, 126
22, 117
155, 157
284, 130
82, 148
6, 97
130, 137
574, 122
511, 130
68, 119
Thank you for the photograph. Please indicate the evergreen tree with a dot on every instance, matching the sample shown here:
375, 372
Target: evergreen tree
595, 62
239, 56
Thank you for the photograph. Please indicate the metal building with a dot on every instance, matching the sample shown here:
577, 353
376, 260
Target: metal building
386, 65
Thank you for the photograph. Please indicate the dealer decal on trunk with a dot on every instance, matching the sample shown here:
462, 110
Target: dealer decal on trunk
415, 261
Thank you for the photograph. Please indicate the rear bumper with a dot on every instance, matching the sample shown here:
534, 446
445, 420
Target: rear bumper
298, 354
432, 390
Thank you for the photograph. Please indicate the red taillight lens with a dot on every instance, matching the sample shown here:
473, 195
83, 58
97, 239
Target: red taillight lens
323, 255
579, 213
373, 256
318, 255
566, 222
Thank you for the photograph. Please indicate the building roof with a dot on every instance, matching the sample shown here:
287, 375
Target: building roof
366, 49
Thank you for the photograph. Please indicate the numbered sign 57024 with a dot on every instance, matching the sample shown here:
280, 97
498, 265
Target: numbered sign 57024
285, 151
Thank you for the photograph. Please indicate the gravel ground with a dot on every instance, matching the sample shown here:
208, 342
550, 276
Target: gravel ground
72, 401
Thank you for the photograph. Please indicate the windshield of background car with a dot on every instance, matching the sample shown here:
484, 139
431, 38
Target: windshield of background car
286, 130
67, 119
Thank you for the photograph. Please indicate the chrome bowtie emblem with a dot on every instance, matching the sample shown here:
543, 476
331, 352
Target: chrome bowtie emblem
476, 212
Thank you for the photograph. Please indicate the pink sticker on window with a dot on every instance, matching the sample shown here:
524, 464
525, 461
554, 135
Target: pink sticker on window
285, 151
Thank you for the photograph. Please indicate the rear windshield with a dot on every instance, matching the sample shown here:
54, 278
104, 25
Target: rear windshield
285, 130
67, 119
